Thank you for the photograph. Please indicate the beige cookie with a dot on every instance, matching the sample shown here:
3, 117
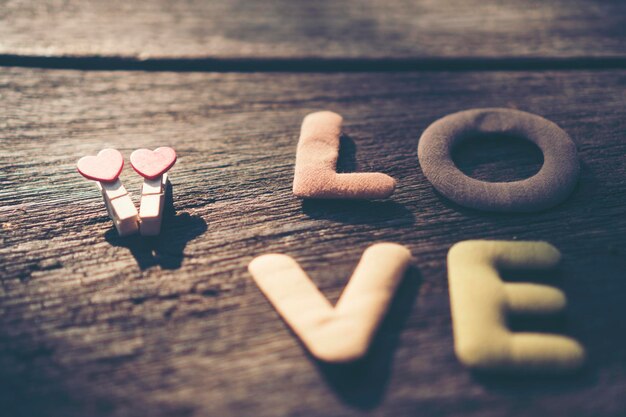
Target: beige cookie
316, 164
480, 302
342, 333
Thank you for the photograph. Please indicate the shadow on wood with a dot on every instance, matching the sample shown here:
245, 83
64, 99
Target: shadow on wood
346, 162
544, 384
497, 157
363, 384
167, 249
380, 213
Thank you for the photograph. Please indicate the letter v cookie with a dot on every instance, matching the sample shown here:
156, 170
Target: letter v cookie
480, 302
342, 333
316, 164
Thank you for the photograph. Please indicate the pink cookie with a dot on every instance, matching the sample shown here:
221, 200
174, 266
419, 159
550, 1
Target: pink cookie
316, 164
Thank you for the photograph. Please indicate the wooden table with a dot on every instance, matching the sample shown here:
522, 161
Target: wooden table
95, 325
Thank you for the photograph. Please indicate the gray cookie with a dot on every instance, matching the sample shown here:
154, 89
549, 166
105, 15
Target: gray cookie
551, 185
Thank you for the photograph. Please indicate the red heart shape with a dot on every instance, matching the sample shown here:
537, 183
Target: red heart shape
104, 167
152, 164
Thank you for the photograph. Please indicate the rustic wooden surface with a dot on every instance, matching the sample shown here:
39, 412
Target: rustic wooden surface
95, 325
304, 29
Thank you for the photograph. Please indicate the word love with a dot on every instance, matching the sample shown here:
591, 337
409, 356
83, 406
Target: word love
318, 150
480, 301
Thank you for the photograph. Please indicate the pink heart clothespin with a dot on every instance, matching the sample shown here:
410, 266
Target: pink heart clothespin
105, 169
153, 166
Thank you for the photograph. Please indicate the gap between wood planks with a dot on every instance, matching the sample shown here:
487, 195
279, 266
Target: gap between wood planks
304, 65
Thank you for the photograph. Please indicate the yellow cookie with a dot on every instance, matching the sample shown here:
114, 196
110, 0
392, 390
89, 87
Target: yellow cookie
480, 302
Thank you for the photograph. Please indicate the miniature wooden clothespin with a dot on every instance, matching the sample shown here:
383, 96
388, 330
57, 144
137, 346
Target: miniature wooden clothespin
105, 169
152, 165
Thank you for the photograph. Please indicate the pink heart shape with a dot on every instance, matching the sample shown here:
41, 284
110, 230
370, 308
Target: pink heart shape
152, 164
104, 167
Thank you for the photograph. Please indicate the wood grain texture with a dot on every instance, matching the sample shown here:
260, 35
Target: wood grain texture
319, 29
94, 325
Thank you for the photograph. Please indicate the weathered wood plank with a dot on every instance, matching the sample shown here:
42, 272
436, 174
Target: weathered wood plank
319, 29
91, 324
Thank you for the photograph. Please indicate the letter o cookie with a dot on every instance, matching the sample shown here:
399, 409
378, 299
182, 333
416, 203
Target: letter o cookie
551, 185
